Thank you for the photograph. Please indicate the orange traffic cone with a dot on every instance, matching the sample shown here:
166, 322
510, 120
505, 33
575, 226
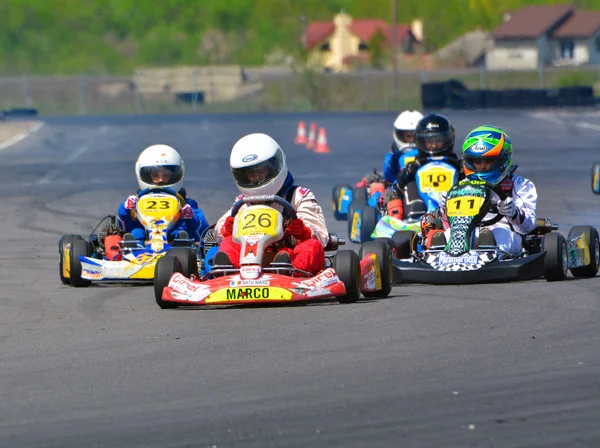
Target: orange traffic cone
312, 136
301, 134
322, 146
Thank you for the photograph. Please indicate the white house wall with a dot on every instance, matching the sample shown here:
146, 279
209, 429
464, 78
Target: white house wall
516, 55
593, 53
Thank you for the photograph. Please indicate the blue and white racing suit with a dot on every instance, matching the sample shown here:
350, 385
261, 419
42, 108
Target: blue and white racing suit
396, 160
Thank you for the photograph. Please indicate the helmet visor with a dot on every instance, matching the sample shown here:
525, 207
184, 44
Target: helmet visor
484, 164
434, 142
161, 175
259, 174
405, 136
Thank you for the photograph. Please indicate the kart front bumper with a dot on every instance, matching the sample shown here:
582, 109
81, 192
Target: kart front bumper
526, 268
105, 270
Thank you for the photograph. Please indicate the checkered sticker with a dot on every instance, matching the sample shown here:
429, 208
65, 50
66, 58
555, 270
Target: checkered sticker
470, 261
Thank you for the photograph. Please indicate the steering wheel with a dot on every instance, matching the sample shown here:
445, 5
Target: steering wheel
166, 190
494, 207
262, 200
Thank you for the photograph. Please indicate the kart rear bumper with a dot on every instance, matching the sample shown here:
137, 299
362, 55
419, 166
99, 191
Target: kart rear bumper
526, 268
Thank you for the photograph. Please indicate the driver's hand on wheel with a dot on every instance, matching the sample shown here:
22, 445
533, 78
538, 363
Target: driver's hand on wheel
187, 212
507, 208
298, 230
130, 202
227, 228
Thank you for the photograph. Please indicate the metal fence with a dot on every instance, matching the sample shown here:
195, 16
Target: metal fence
293, 92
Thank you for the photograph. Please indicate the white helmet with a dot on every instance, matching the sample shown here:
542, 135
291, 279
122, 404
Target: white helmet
159, 166
404, 128
258, 166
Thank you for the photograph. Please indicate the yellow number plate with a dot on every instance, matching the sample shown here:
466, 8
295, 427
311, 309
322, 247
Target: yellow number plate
244, 294
436, 179
158, 207
257, 221
464, 206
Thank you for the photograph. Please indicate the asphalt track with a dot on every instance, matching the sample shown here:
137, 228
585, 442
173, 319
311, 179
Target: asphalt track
512, 365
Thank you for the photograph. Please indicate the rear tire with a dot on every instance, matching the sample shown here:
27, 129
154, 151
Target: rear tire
79, 248
163, 271
383, 251
404, 240
335, 200
555, 261
347, 267
368, 221
360, 194
64, 271
352, 208
591, 234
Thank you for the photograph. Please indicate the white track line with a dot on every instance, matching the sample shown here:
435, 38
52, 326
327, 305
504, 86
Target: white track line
17, 138
557, 120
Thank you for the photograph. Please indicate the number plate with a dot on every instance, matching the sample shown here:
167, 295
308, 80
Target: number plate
257, 221
436, 179
464, 206
158, 207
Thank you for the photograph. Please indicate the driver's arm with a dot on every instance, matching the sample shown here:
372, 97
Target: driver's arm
310, 212
221, 222
525, 198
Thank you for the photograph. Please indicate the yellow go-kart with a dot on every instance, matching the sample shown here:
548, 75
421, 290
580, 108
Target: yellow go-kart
105, 256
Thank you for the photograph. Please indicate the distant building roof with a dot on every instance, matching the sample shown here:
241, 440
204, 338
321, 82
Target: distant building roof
580, 24
316, 32
364, 29
532, 21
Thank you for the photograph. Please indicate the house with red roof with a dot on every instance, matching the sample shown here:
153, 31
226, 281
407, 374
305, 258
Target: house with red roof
337, 44
539, 35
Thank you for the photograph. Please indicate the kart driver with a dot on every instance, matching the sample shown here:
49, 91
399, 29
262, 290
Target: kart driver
404, 143
403, 149
258, 166
487, 156
434, 137
161, 166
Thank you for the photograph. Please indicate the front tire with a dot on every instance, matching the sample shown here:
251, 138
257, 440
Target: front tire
64, 264
163, 271
404, 241
555, 261
347, 267
187, 258
79, 248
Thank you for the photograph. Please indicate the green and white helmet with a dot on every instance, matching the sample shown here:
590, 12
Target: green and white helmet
487, 154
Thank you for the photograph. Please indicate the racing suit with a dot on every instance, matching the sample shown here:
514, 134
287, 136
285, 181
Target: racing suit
307, 255
508, 231
194, 227
396, 159
405, 185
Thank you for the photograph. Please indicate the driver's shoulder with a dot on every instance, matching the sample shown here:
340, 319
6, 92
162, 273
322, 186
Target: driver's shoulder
303, 194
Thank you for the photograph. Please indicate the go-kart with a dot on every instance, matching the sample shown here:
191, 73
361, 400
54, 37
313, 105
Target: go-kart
466, 258
106, 257
596, 177
343, 195
371, 219
259, 229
